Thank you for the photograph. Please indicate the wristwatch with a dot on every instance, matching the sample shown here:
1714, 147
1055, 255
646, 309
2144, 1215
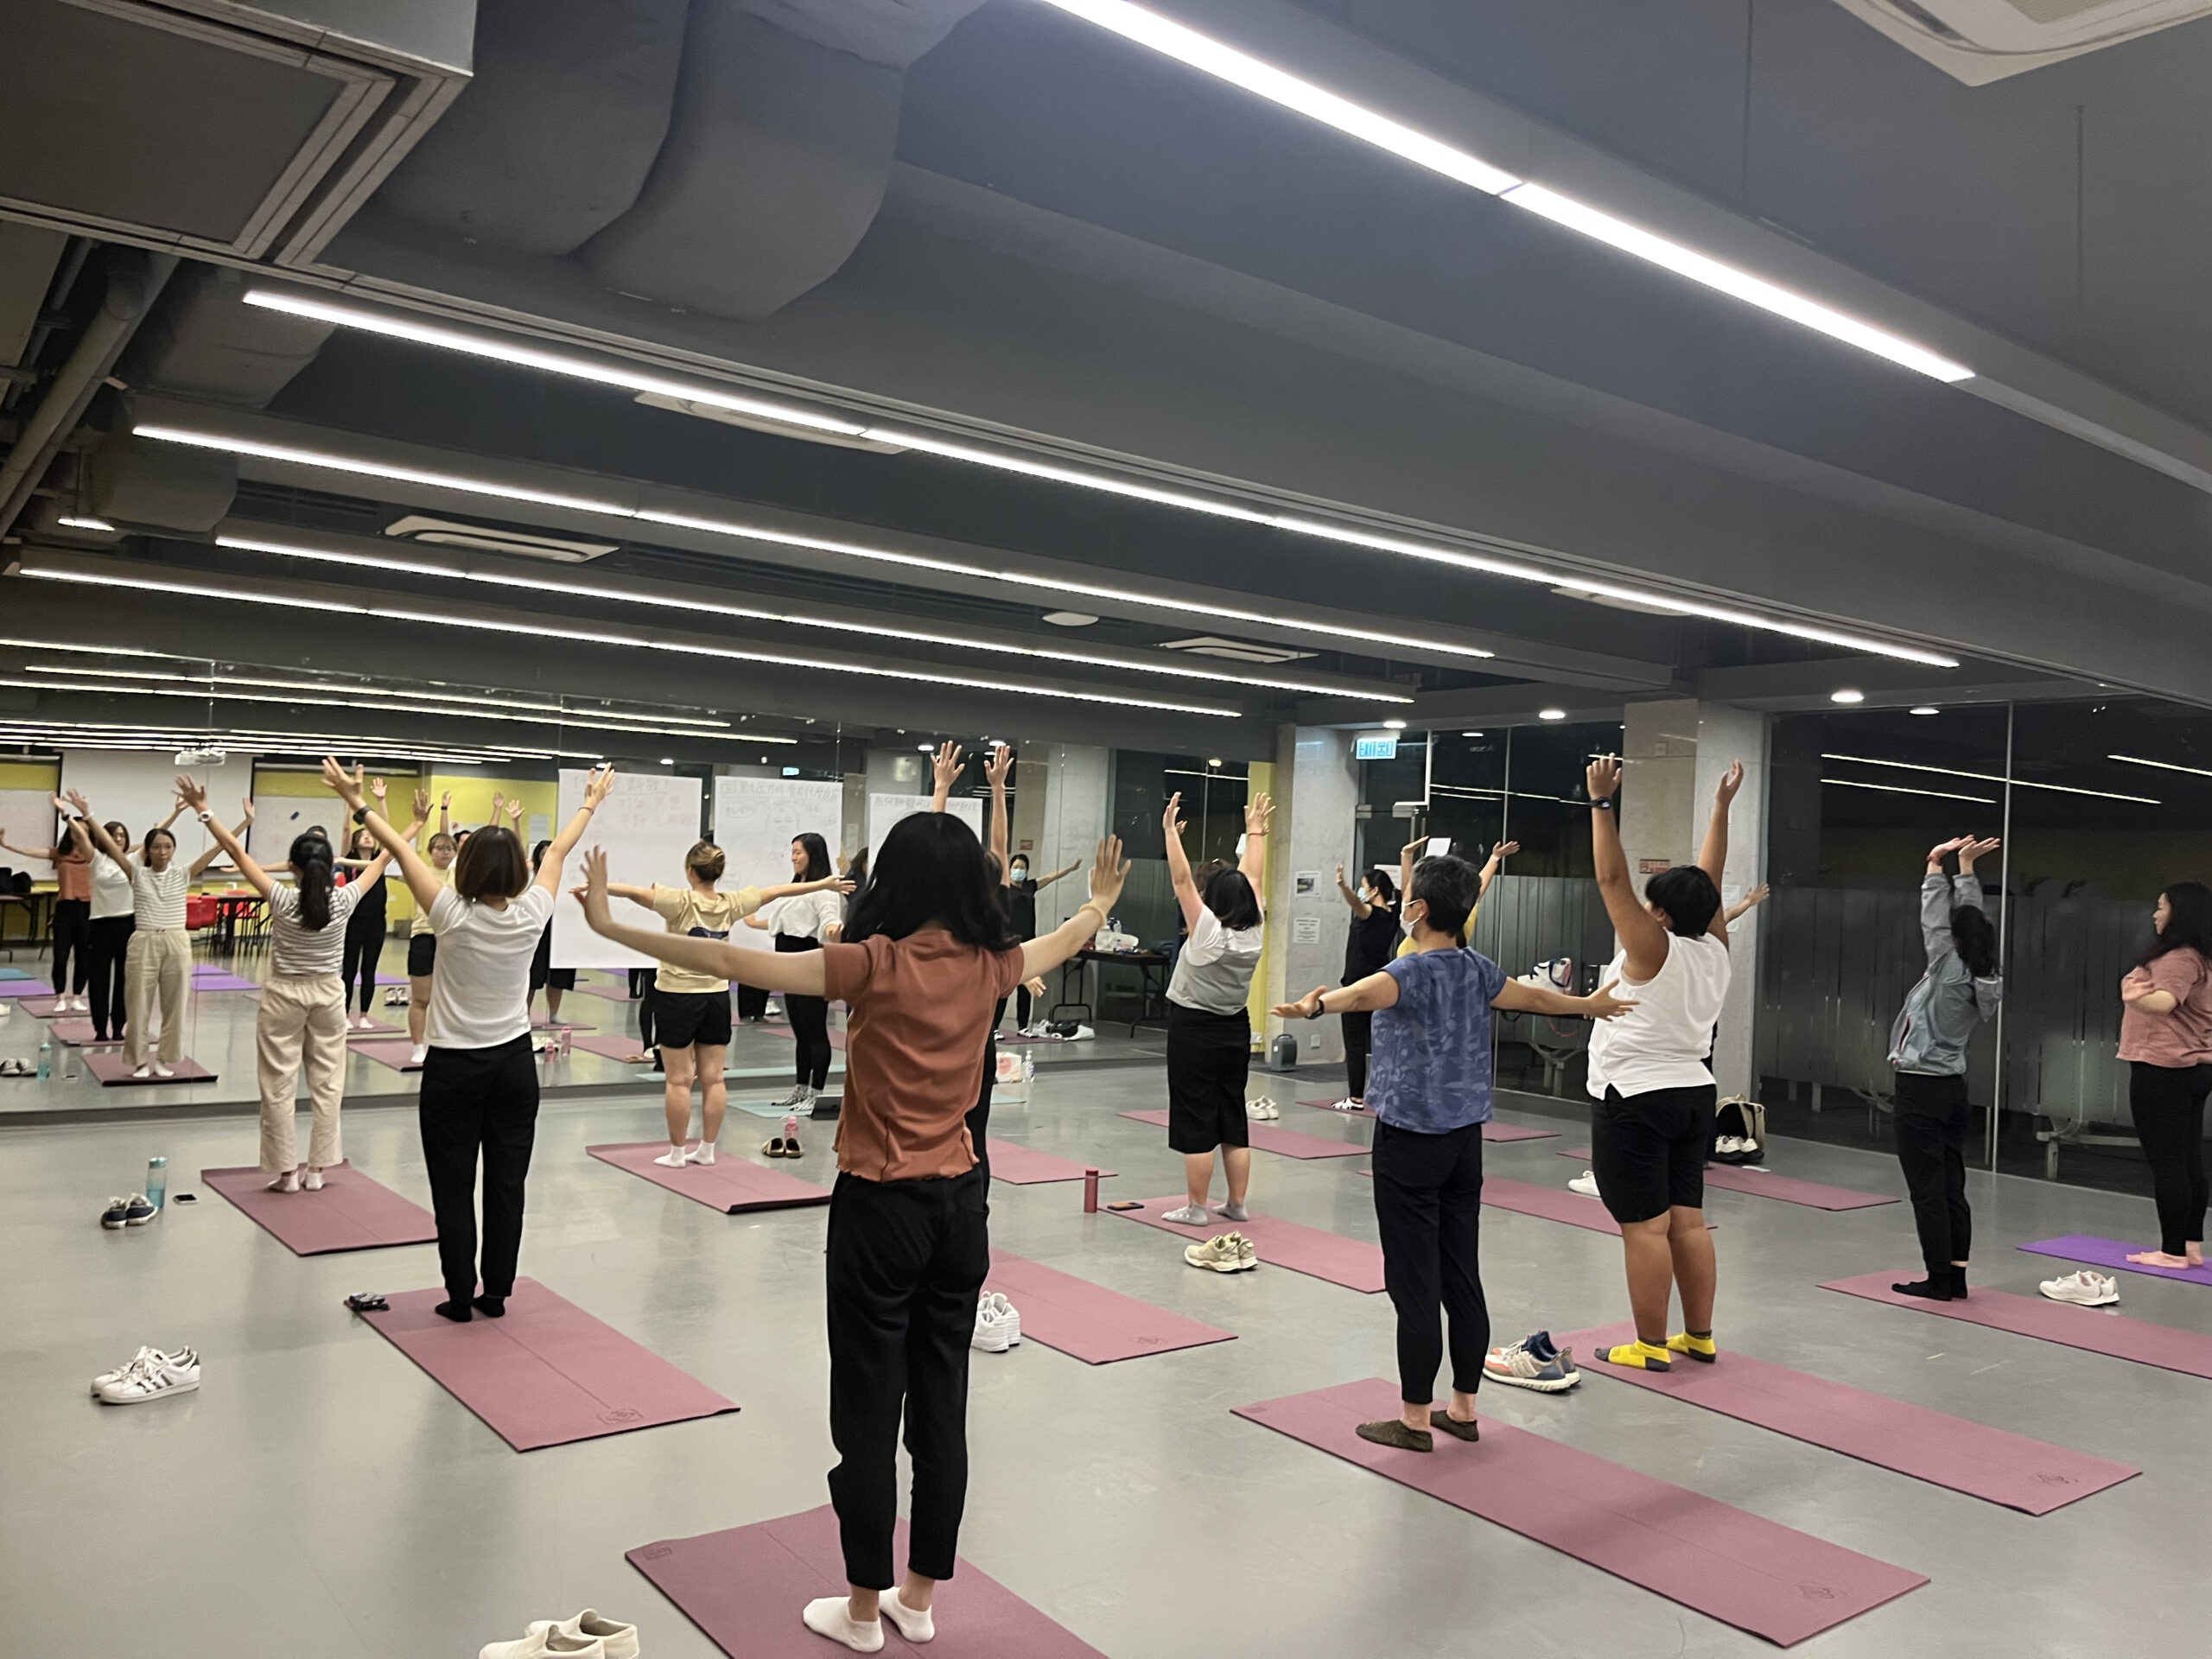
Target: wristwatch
1602, 803
1318, 1010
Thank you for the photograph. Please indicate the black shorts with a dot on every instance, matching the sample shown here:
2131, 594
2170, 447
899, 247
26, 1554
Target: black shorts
422, 956
683, 1018
542, 970
1648, 1150
1209, 1059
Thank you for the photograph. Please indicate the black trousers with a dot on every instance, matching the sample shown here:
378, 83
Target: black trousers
906, 1259
752, 1002
1429, 1203
365, 933
107, 942
1021, 1006
1933, 1120
810, 1018
1359, 1037
73, 926
2167, 1103
477, 1099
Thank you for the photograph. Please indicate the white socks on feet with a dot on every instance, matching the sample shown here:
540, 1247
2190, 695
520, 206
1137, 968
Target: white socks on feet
674, 1158
312, 1181
917, 1628
287, 1182
702, 1154
832, 1615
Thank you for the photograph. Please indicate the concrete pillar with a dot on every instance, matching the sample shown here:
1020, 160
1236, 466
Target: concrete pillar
1660, 811
1317, 790
1061, 801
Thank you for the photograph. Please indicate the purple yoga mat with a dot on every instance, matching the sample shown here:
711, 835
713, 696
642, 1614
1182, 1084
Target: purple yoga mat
109, 1066
547, 1373
744, 1588
352, 1212
207, 984
25, 987
1089, 1322
2095, 1330
1280, 1243
1026, 1167
1930, 1446
2111, 1253
1753, 1573
1731, 1178
1493, 1131
609, 1047
79, 1033
1288, 1143
390, 1051
730, 1184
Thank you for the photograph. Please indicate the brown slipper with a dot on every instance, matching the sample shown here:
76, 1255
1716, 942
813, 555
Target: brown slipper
1470, 1430
1391, 1432
774, 1147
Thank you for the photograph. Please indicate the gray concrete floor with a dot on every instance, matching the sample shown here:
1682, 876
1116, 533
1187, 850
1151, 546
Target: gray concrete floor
321, 1496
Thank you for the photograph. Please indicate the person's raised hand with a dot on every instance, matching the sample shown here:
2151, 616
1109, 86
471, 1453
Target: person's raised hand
1936, 854
245, 806
1604, 1005
1109, 870
1000, 764
1306, 1007
1256, 815
193, 795
1171, 820
598, 785
1340, 875
1731, 781
947, 762
592, 893
347, 785
445, 801
422, 804
1411, 852
1973, 849
1602, 778
75, 798
514, 811
1502, 850
1758, 896
499, 804
376, 788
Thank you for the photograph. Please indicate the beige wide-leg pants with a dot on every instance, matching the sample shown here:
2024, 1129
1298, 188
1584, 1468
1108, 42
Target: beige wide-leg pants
301, 1018
158, 965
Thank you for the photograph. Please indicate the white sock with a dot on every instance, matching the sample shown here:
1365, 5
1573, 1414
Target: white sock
312, 1180
832, 1615
916, 1627
672, 1159
702, 1154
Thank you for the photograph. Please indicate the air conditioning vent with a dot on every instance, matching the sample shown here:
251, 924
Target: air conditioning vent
1238, 650
1981, 40
491, 539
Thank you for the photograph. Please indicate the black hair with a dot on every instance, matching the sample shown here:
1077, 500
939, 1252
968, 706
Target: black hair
1974, 938
2190, 925
117, 832
930, 869
997, 871
538, 856
491, 864
1229, 896
819, 868
354, 841
1385, 888
1450, 887
311, 857
150, 834
1688, 896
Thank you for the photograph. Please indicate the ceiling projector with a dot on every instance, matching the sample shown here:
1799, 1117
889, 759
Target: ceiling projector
202, 756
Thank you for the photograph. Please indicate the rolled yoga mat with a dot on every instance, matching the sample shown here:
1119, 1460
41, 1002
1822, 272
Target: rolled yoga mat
1019, 1166
744, 1587
732, 1185
352, 1212
1309, 1250
1931, 1446
1731, 1178
2094, 1329
2110, 1253
1089, 1322
1755, 1574
1290, 1143
547, 1373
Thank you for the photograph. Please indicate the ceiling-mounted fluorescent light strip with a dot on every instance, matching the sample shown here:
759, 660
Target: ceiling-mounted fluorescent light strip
1899, 789
1202, 53
91, 734
535, 583
558, 363
2163, 766
1992, 778
540, 631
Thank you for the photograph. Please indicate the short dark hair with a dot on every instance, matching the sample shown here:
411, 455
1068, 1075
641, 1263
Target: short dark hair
491, 864
1229, 896
447, 838
930, 869
1450, 887
1688, 896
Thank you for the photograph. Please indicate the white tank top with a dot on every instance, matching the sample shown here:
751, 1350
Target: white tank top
1662, 1042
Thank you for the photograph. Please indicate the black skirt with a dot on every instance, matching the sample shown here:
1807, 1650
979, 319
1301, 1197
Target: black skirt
1209, 1060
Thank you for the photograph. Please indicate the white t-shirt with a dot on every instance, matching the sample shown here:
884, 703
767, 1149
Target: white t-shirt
157, 896
298, 951
805, 915
1662, 1042
1213, 971
480, 997
111, 894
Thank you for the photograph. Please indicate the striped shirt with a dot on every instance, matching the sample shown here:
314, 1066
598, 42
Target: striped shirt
157, 896
298, 951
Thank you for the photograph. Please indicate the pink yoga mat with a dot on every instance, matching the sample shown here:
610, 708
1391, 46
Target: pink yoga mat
1290, 1143
393, 1051
1493, 1131
2095, 1330
744, 1588
1089, 1322
41, 1007
2112, 1253
547, 1373
1548, 1202
375, 1028
609, 1047
1930, 1446
109, 1066
79, 1033
352, 1212
1753, 1573
1731, 1178
1026, 1167
1280, 1243
730, 1184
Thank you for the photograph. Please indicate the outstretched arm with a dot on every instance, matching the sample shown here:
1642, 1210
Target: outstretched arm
1498, 854
1065, 870
597, 788
1641, 937
1179, 861
1361, 996
800, 973
995, 769
1360, 907
1713, 857
1253, 862
97, 830
423, 881
946, 764
1744, 906
1515, 997
196, 797
225, 839
1408, 856
48, 856
1108, 869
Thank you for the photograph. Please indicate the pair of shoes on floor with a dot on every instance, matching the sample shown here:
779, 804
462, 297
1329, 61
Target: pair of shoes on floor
832, 1615
1262, 1110
2087, 1288
1347, 1105
1535, 1361
586, 1636
800, 1099
1225, 1253
155, 1069
702, 1154
786, 1144
134, 1211
151, 1374
12, 1067
1586, 1184
1728, 1143
998, 1325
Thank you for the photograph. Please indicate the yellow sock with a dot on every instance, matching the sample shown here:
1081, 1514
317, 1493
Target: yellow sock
1643, 1356
1696, 1347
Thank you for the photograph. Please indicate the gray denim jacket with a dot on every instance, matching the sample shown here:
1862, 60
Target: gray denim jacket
1940, 1012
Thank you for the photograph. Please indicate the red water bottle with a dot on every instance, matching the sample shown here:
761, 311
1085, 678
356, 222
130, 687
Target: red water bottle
1089, 1192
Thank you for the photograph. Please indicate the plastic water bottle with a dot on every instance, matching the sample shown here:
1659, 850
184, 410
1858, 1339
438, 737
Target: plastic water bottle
46, 1060
157, 1181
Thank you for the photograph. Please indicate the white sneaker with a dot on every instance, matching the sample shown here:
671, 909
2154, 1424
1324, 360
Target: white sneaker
137, 1362
156, 1379
1011, 1315
792, 1102
621, 1640
546, 1641
991, 1335
417, 1054
2087, 1289
1586, 1184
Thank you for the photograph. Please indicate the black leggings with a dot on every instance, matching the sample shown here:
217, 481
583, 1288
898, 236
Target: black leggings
106, 943
1933, 1120
2167, 1103
72, 922
472, 1101
364, 949
1428, 1206
810, 1018
1021, 1006
1358, 1032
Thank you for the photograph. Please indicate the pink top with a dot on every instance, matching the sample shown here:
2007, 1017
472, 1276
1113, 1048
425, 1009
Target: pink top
2182, 1038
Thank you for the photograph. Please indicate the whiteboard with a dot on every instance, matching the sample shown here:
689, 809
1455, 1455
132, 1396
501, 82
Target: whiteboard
647, 825
278, 819
884, 811
140, 789
756, 820
27, 819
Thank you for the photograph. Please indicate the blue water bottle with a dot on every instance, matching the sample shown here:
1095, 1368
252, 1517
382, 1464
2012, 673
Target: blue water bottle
157, 1181
45, 1060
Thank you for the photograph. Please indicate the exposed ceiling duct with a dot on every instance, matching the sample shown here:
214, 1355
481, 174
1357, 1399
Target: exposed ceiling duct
1981, 40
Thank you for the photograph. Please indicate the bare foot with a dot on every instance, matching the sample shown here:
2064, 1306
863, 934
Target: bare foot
2195, 1255
2160, 1259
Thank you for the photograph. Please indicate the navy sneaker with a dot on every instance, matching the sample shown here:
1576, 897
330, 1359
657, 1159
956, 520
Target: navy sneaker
139, 1211
1533, 1362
